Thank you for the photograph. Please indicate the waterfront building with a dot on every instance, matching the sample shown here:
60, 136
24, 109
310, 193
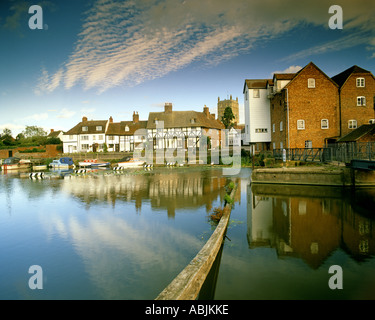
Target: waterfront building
122, 136
86, 136
356, 105
182, 129
257, 113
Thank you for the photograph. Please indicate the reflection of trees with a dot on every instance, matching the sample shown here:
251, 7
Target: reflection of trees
169, 190
308, 222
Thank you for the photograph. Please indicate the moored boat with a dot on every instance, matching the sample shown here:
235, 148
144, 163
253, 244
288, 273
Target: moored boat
94, 163
63, 163
13, 163
129, 162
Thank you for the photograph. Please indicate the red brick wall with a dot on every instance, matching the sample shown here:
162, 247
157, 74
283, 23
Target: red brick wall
349, 108
51, 152
308, 104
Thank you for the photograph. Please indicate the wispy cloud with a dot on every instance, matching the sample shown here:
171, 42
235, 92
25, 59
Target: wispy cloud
291, 69
66, 113
37, 117
129, 42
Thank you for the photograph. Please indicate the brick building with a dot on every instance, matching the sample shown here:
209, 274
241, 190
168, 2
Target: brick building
233, 104
304, 109
356, 105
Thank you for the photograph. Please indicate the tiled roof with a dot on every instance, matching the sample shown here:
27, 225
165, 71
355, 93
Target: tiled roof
341, 78
358, 133
118, 128
55, 134
183, 119
91, 127
284, 76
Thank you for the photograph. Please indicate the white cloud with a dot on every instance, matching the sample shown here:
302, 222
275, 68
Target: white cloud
129, 42
291, 69
15, 128
66, 113
37, 117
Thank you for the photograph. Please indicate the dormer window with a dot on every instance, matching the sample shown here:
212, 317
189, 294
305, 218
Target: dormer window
99, 128
126, 128
156, 121
85, 128
311, 83
193, 120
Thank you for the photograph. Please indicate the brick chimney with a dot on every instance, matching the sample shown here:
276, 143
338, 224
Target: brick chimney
168, 107
135, 117
110, 119
84, 119
206, 111
52, 130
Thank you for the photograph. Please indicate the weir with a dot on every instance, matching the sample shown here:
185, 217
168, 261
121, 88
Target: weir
187, 285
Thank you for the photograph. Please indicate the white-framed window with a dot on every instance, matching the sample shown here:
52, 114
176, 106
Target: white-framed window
71, 137
261, 130
84, 146
361, 101
300, 124
85, 128
256, 93
311, 83
308, 144
111, 138
99, 128
281, 126
84, 137
371, 121
273, 127
100, 137
352, 124
324, 124
360, 82
127, 128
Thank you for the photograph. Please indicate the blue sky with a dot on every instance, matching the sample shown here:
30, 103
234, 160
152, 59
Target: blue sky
109, 58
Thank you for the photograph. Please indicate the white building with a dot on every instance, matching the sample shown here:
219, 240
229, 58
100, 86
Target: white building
86, 136
257, 114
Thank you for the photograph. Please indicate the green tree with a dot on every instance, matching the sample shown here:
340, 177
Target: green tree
34, 131
227, 118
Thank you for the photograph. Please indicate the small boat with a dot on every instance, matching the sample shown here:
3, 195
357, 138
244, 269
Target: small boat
64, 163
129, 162
13, 163
93, 163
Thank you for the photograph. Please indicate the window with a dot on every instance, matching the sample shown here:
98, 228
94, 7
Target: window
99, 128
361, 101
352, 124
300, 124
256, 93
273, 145
100, 137
281, 145
360, 82
126, 128
371, 121
111, 138
84, 137
246, 95
70, 137
281, 126
324, 123
84, 146
192, 120
308, 144
273, 127
261, 130
85, 128
311, 83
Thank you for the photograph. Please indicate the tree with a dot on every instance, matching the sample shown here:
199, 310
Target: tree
34, 131
7, 132
227, 118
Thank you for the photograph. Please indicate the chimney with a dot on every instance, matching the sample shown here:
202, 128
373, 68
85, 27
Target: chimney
206, 111
135, 117
84, 119
212, 116
52, 130
110, 119
168, 107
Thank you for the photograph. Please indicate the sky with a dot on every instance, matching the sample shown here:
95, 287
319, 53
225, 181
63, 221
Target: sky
105, 58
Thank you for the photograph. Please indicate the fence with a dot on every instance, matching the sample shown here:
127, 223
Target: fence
342, 152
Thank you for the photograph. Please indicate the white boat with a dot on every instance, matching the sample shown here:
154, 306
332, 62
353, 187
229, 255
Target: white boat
129, 162
14, 163
93, 163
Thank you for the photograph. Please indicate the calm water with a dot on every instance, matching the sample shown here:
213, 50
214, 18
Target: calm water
128, 236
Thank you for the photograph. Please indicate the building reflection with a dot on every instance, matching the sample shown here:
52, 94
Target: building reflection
309, 222
168, 190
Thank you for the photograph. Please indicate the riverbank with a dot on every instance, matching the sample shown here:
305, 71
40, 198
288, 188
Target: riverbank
325, 175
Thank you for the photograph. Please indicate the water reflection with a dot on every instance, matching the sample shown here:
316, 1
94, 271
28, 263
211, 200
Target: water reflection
309, 222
